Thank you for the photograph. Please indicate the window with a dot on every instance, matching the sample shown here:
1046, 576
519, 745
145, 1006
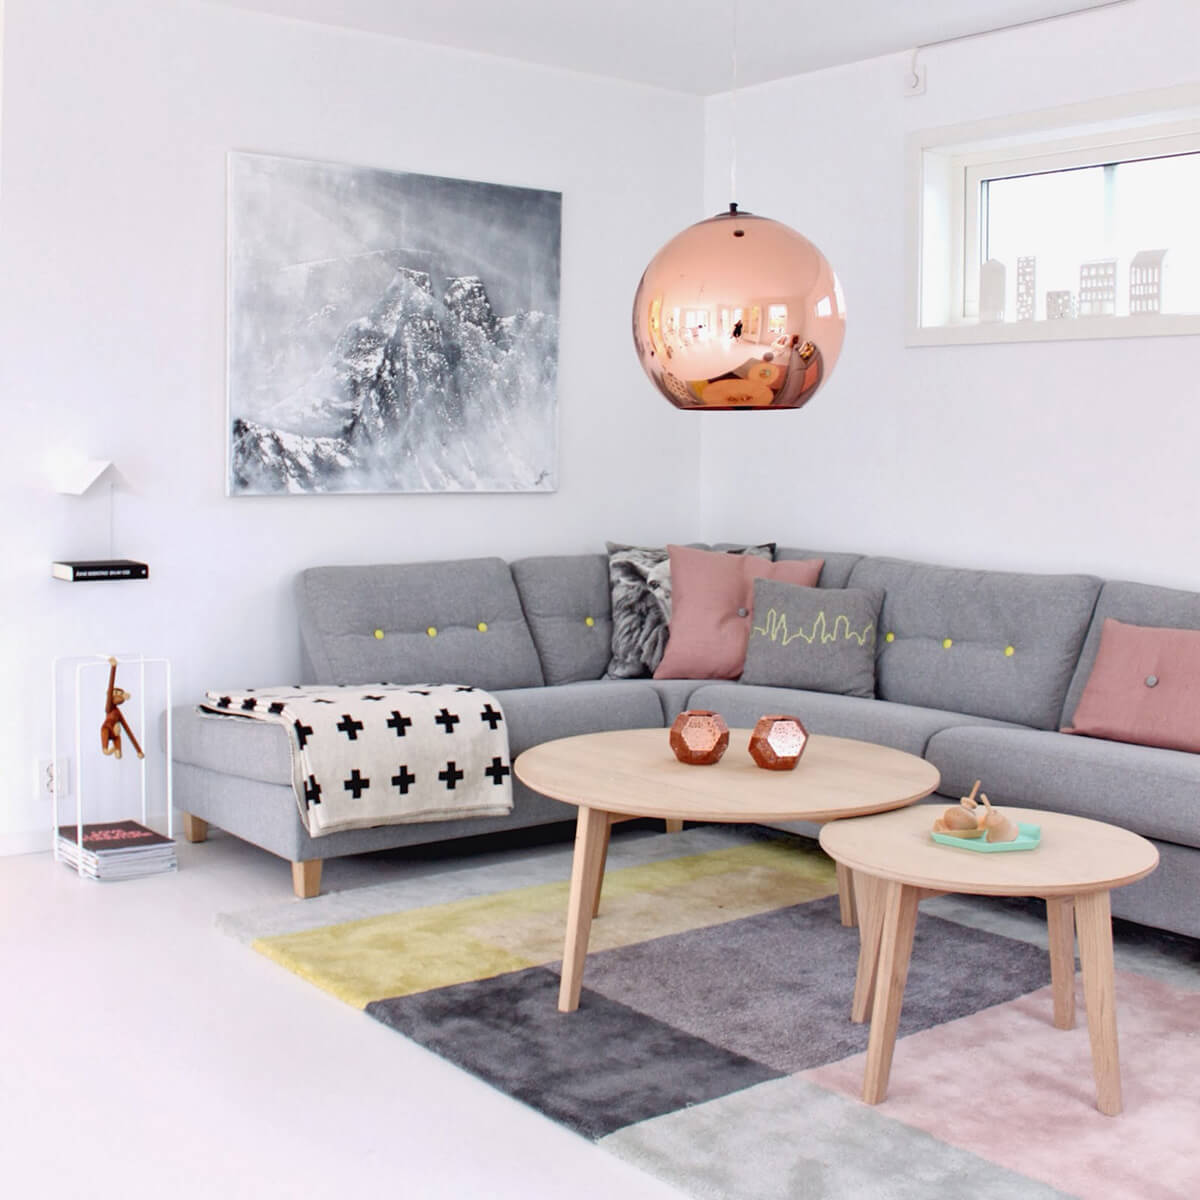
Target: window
1071, 224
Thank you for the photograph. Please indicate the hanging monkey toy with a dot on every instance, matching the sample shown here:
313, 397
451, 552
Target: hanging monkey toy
114, 719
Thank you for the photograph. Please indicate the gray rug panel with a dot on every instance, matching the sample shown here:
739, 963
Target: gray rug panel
423, 884
792, 1140
777, 986
595, 1070
1171, 958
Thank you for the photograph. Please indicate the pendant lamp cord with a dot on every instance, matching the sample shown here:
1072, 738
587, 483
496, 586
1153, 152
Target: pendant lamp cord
733, 113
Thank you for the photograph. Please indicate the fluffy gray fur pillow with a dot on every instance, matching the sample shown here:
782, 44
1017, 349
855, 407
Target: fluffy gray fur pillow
640, 577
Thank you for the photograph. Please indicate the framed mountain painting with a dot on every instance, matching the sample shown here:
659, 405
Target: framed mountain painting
389, 332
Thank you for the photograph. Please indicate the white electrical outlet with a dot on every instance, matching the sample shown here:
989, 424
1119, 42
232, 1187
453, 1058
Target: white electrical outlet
52, 778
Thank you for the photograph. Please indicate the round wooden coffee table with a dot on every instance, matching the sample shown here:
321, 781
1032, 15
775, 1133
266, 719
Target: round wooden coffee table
896, 864
633, 773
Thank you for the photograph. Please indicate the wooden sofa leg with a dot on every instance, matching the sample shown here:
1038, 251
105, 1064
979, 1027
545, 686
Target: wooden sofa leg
306, 878
673, 825
195, 829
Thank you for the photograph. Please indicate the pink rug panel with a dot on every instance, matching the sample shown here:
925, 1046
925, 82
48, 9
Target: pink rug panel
1009, 1087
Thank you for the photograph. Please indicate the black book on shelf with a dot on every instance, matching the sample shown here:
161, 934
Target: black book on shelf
77, 570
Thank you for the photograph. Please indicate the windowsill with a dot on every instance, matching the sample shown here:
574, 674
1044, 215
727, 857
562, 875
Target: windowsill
1067, 329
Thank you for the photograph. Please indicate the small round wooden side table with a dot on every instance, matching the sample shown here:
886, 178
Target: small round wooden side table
896, 864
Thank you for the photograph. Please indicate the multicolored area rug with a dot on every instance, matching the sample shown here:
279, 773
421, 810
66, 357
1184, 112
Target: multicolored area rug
713, 1046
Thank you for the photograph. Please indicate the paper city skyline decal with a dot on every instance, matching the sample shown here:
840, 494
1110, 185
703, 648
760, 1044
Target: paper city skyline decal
1096, 296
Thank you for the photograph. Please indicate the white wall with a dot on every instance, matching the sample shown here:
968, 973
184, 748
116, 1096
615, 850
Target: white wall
117, 118
1066, 456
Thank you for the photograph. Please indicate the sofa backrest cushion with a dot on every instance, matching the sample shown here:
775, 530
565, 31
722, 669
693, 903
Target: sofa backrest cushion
1135, 604
993, 644
836, 571
458, 621
568, 606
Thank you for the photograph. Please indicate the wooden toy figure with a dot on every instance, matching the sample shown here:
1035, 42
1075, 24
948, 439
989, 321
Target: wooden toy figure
114, 719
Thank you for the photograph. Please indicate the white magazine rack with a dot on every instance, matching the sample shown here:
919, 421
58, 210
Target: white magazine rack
70, 674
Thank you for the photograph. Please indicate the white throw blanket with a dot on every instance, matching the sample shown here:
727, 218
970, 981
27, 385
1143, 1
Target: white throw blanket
382, 755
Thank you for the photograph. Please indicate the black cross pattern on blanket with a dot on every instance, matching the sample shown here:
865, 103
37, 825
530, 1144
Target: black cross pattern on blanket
396, 752
451, 775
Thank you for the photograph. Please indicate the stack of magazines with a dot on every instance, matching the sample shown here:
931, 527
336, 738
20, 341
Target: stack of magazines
116, 850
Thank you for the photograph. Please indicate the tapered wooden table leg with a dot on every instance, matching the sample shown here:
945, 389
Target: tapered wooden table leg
899, 923
1060, 923
603, 863
591, 841
1093, 917
868, 891
847, 905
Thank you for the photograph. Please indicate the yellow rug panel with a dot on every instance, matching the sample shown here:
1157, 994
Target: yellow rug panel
397, 954
367, 960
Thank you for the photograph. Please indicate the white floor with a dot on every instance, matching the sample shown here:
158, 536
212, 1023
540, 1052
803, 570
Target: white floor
144, 1053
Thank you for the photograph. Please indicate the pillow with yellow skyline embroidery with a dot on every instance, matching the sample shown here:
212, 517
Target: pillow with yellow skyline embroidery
819, 639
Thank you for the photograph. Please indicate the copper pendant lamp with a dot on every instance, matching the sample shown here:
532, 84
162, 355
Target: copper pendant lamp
738, 312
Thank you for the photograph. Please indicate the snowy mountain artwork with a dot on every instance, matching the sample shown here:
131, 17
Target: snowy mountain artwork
389, 332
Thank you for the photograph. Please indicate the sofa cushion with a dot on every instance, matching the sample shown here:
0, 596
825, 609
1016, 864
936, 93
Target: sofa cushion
249, 749
1153, 792
640, 579
710, 616
838, 565
537, 715
266, 815
568, 606
818, 639
1135, 604
640, 597
258, 751
762, 549
458, 621
990, 643
674, 694
1144, 688
901, 726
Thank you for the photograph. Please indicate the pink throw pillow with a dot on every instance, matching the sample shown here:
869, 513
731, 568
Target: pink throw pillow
712, 602
1144, 688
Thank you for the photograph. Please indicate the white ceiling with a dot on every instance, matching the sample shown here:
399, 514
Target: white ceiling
684, 45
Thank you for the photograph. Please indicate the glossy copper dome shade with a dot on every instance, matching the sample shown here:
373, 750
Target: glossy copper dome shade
738, 312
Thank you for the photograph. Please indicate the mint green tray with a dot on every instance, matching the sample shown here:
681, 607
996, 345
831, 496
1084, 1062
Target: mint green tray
1027, 839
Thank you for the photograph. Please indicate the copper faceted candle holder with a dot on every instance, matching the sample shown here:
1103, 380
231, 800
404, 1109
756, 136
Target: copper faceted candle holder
699, 737
778, 741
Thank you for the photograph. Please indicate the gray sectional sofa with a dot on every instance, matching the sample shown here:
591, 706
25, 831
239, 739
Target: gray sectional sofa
975, 670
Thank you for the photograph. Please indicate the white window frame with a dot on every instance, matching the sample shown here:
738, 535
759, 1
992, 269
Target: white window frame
945, 167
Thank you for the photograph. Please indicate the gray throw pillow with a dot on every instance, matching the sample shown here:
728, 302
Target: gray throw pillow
819, 639
640, 578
